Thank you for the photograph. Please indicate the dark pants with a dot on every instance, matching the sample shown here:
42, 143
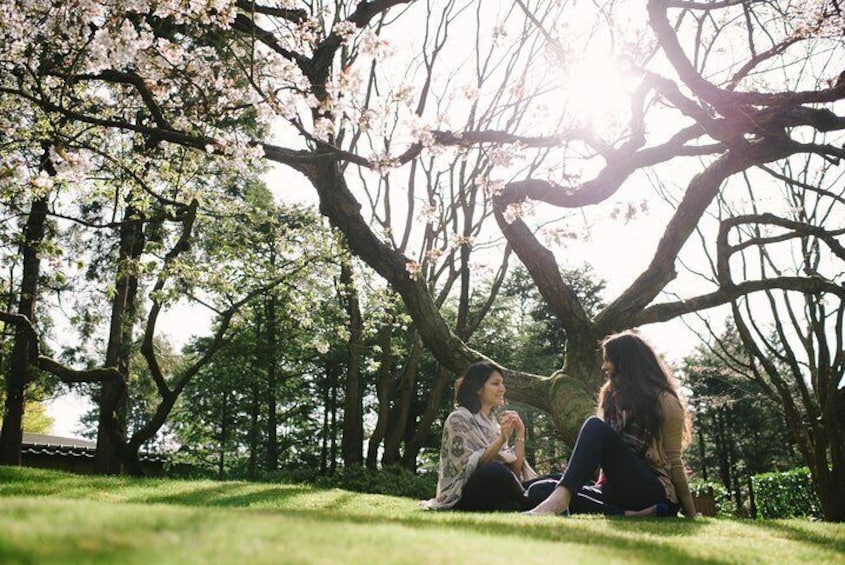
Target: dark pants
629, 482
494, 487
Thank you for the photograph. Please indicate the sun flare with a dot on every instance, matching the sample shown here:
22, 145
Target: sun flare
597, 91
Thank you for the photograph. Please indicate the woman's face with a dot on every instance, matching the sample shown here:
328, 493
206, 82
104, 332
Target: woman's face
492, 394
607, 367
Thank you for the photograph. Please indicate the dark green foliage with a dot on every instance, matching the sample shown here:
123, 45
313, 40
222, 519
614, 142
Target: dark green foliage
790, 494
738, 431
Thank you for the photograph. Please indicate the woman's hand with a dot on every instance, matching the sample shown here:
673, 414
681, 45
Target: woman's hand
510, 419
506, 426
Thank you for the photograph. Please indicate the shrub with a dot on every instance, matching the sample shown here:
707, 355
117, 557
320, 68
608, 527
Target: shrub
790, 494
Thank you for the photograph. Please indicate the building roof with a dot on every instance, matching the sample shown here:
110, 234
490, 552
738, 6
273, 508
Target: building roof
48, 445
57, 441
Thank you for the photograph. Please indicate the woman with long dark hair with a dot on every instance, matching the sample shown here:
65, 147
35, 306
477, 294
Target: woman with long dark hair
635, 440
479, 468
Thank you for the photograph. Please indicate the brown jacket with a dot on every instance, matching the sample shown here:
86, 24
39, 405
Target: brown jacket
664, 454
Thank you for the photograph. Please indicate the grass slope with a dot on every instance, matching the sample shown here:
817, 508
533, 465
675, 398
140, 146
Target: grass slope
51, 517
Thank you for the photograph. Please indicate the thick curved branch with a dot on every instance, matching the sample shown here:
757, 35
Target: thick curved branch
727, 294
339, 205
545, 272
724, 100
528, 389
147, 346
68, 375
63, 372
136, 81
700, 192
609, 179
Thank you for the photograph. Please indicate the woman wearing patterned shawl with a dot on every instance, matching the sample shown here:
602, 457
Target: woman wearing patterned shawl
635, 440
479, 469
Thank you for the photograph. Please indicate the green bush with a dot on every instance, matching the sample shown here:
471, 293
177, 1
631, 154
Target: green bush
790, 494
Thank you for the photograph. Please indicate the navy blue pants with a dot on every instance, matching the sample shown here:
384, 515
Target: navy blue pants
493, 487
629, 482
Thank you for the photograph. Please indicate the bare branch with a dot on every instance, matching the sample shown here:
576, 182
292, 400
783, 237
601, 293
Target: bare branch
727, 294
725, 100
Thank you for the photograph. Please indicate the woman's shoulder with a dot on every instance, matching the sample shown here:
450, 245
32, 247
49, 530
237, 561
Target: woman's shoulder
459, 414
670, 404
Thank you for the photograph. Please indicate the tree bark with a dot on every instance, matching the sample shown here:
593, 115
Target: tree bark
432, 409
401, 415
23, 350
224, 435
255, 412
271, 304
114, 400
384, 390
353, 410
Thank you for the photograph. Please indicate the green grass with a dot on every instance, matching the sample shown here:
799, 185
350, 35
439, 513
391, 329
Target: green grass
51, 517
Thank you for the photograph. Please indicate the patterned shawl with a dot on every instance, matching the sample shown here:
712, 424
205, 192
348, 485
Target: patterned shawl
465, 438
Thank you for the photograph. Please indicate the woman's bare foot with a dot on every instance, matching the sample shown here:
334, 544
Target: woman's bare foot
644, 513
557, 502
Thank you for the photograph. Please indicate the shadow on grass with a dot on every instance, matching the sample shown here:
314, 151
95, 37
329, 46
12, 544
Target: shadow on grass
803, 532
17, 481
646, 540
39, 482
590, 533
227, 496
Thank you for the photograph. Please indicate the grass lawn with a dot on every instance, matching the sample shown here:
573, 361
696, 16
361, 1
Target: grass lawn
51, 517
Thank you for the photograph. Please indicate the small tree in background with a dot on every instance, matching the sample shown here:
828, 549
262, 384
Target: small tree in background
738, 431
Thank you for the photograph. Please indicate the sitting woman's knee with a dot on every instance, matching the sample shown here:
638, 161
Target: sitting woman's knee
593, 423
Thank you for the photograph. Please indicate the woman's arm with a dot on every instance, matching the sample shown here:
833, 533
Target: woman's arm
506, 428
519, 446
673, 434
493, 449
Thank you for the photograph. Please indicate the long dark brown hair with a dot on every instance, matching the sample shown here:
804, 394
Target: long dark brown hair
639, 378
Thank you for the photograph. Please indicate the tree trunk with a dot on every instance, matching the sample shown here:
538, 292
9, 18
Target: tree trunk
353, 412
702, 452
271, 305
333, 426
20, 370
255, 412
114, 400
722, 450
384, 390
401, 414
224, 435
324, 432
736, 488
432, 409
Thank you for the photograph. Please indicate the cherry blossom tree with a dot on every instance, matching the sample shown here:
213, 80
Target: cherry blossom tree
710, 91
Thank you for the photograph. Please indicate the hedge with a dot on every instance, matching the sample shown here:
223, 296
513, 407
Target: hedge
790, 494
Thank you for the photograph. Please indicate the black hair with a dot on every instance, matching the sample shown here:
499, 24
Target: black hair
473, 379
